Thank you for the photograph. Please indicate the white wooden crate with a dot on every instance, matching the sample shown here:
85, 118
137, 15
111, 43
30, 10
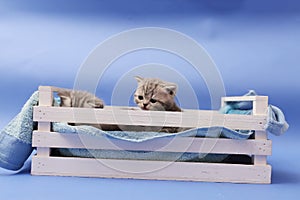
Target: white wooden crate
43, 163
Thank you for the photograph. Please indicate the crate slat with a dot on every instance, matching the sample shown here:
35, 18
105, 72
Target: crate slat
155, 170
187, 119
243, 98
177, 144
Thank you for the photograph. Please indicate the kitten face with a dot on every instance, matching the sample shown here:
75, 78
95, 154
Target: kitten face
70, 98
155, 94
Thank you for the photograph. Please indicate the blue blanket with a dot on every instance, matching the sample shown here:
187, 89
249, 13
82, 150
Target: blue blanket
15, 138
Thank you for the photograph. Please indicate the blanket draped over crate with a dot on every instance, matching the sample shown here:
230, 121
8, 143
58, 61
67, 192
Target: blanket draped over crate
16, 137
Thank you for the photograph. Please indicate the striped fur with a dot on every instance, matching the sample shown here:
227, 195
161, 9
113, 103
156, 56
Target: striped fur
73, 98
82, 99
155, 94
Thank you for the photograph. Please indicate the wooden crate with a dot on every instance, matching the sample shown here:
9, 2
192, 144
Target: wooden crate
43, 163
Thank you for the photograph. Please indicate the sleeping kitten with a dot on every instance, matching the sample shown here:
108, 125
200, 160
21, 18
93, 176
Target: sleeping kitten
156, 94
74, 98
83, 99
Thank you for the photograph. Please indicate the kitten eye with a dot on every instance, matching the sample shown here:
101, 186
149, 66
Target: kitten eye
140, 97
153, 100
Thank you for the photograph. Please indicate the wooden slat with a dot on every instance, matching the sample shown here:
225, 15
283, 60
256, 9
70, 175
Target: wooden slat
242, 98
187, 119
177, 144
45, 99
260, 107
155, 170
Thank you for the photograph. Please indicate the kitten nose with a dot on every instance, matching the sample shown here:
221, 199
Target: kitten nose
145, 105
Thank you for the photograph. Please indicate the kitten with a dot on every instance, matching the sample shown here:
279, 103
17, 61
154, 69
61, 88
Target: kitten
83, 99
156, 94
75, 98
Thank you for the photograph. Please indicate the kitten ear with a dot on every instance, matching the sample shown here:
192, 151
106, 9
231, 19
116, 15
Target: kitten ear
171, 88
139, 79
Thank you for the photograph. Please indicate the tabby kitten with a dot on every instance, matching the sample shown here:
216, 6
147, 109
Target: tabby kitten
156, 94
83, 99
75, 98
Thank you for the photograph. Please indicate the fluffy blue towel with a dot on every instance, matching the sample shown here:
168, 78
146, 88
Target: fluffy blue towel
15, 138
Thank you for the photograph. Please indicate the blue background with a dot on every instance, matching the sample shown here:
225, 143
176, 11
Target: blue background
255, 45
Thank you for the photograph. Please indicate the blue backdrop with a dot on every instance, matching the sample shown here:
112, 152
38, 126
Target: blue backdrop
254, 44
